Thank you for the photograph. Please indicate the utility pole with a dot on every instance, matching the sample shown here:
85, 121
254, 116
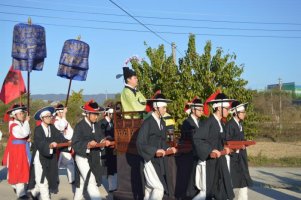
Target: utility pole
173, 48
272, 102
280, 104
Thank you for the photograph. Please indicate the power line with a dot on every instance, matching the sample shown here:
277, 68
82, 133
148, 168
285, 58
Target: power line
151, 24
152, 17
142, 24
164, 32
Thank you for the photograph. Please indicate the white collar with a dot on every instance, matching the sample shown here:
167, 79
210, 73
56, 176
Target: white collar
219, 122
195, 119
46, 129
130, 86
158, 120
108, 119
239, 125
88, 122
236, 121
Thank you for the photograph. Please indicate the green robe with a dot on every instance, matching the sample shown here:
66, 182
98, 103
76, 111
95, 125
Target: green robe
131, 100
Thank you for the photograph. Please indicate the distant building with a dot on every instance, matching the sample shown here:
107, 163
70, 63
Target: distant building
292, 88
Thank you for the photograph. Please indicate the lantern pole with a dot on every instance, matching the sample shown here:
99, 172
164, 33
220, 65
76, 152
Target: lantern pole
69, 87
67, 98
28, 79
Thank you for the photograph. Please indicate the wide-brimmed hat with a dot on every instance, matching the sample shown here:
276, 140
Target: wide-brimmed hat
37, 115
59, 106
159, 100
220, 98
16, 107
92, 107
237, 106
109, 110
196, 102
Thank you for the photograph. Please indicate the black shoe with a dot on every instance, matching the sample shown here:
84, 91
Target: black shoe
31, 197
23, 197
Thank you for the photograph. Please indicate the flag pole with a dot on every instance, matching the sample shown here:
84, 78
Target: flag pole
28, 91
20, 93
67, 98
28, 80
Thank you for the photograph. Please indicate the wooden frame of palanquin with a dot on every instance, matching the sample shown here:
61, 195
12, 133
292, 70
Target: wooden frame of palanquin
126, 129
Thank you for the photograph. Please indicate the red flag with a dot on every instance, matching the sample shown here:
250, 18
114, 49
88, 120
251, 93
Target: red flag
206, 106
13, 86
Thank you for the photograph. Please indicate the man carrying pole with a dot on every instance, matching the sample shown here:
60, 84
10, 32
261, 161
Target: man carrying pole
87, 135
238, 167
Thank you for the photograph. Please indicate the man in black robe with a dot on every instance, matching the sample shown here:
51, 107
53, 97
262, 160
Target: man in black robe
87, 133
239, 169
44, 170
189, 125
110, 155
195, 109
151, 142
208, 142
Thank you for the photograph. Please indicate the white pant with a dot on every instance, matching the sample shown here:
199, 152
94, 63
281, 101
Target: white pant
66, 161
228, 161
92, 188
41, 188
20, 189
242, 193
200, 180
154, 189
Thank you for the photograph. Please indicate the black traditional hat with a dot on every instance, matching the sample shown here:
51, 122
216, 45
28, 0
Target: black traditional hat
128, 73
37, 115
221, 97
237, 106
92, 107
59, 107
159, 98
109, 110
17, 107
196, 102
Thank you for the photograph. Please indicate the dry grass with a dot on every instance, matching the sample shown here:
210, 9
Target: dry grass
276, 150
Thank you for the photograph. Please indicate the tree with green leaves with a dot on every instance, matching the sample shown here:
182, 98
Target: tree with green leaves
195, 75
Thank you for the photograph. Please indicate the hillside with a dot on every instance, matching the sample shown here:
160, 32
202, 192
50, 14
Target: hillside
59, 97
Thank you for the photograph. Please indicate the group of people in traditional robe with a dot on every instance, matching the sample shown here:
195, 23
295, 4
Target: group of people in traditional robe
36, 175
214, 175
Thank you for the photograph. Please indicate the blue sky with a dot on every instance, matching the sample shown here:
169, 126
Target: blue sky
265, 36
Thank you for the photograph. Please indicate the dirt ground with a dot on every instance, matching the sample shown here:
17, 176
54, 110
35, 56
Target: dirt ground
276, 149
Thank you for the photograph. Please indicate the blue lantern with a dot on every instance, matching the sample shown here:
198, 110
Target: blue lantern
74, 63
29, 47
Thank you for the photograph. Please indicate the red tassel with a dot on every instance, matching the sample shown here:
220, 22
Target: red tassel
212, 97
149, 105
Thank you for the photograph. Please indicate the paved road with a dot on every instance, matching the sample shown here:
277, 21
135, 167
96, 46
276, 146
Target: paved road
270, 183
